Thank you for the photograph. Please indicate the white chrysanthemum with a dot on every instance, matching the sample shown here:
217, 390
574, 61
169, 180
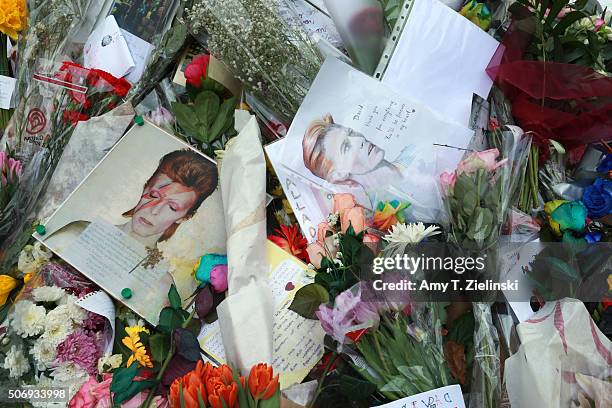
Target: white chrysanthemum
15, 362
28, 319
44, 352
41, 253
26, 261
58, 325
412, 233
48, 294
74, 311
67, 372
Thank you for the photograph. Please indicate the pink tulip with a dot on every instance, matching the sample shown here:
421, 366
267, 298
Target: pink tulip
447, 181
599, 22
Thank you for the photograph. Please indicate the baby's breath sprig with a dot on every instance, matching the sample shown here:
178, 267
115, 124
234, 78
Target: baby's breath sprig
275, 62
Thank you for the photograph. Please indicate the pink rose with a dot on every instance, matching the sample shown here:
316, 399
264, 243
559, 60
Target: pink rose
83, 398
447, 181
317, 250
355, 217
372, 241
218, 278
342, 203
197, 70
485, 160
322, 229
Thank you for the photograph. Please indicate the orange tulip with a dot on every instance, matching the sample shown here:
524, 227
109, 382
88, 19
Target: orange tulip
219, 391
192, 383
224, 372
262, 383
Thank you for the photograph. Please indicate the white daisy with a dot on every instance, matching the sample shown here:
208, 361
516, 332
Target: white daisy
48, 294
15, 362
58, 325
28, 319
44, 353
412, 233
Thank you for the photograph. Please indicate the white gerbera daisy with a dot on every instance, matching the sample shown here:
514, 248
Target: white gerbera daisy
48, 294
58, 325
412, 233
28, 319
44, 353
15, 362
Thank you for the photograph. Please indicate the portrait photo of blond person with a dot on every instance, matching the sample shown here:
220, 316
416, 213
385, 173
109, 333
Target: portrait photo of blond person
344, 157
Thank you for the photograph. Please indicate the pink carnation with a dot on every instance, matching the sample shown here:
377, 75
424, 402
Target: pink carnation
80, 349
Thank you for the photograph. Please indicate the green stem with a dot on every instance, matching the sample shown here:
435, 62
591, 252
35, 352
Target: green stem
164, 366
332, 360
534, 175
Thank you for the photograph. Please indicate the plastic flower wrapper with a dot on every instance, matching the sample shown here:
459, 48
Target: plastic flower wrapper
275, 62
361, 26
63, 95
52, 29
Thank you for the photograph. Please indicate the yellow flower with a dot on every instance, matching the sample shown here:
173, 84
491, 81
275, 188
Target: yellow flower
13, 17
7, 284
549, 208
139, 352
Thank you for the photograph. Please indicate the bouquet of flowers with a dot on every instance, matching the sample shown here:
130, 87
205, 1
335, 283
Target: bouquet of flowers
276, 63
39, 131
208, 118
222, 387
50, 341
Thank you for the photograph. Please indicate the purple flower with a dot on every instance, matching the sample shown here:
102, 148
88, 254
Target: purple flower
80, 349
598, 198
348, 314
94, 322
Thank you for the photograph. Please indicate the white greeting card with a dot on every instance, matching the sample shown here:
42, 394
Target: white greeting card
107, 49
445, 397
353, 134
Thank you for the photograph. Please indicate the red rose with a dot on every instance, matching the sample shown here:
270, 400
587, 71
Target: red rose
74, 117
197, 69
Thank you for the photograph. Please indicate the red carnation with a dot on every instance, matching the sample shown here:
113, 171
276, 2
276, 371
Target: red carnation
197, 70
74, 117
291, 240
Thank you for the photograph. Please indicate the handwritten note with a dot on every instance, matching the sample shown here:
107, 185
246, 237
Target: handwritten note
445, 397
298, 342
300, 13
113, 260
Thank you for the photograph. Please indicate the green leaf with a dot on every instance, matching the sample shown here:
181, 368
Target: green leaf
187, 345
308, 299
160, 346
134, 388
206, 107
123, 378
169, 319
174, 298
355, 388
186, 118
226, 111
272, 402
567, 21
